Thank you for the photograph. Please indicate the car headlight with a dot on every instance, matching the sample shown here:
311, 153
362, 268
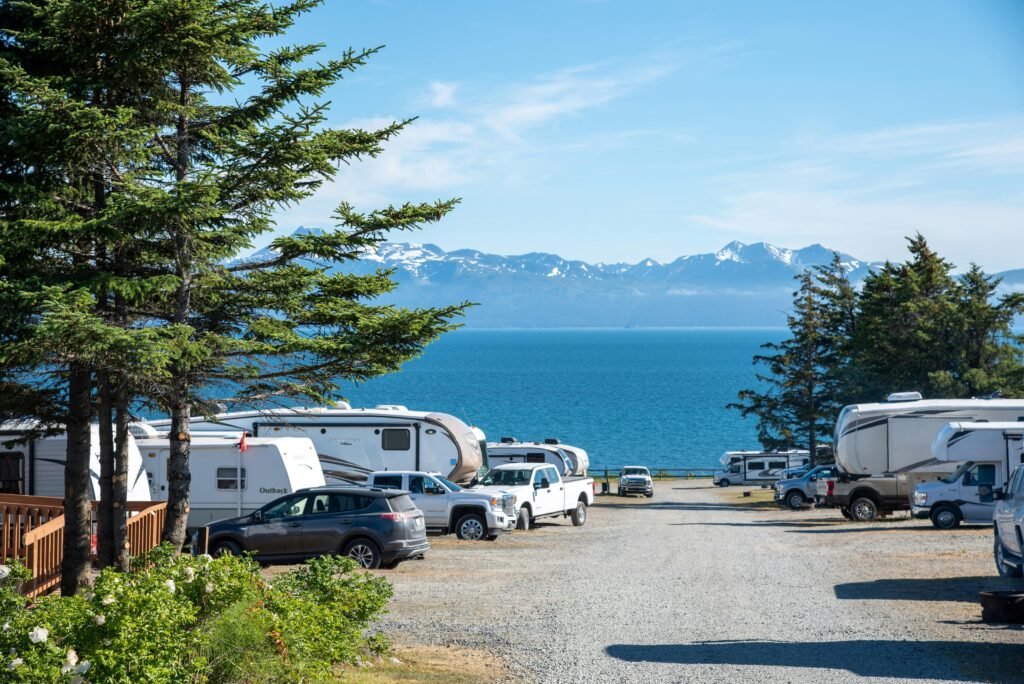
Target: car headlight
920, 498
496, 504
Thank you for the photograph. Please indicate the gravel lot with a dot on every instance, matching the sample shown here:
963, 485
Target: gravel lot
700, 584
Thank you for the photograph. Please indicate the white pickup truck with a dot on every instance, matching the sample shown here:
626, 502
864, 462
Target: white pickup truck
447, 507
540, 492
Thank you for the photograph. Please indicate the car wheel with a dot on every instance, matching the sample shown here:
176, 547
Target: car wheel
796, 500
845, 512
364, 552
226, 548
863, 509
579, 514
524, 519
945, 517
650, 494
471, 527
724, 483
492, 537
1005, 569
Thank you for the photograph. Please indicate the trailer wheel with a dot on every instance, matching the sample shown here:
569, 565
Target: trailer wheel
471, 527
863, 509
1004, 568
796, 500
226, 548
524, 519
945, 517
579, 514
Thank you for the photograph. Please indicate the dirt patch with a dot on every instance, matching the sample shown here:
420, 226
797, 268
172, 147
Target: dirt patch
417, 663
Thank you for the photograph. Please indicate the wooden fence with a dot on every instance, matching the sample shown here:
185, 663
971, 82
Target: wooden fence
32, 529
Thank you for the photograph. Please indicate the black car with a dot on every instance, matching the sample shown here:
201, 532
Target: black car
378, 528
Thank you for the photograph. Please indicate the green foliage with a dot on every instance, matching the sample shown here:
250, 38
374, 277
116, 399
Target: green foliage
182, 618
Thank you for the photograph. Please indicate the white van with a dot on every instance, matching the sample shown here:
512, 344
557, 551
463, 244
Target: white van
352, 443
228, 482
987, 453
757, 467
512, 451
36, 467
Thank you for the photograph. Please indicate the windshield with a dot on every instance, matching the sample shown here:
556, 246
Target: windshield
955, 475
452, 487
634, 471
507, 477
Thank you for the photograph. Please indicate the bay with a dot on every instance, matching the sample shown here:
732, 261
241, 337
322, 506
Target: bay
649, 396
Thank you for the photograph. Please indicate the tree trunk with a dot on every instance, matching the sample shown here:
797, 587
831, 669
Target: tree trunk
179, 477
119, 494
105, 550
77, 504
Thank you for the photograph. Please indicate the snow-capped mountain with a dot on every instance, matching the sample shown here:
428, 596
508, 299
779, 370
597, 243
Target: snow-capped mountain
739, 285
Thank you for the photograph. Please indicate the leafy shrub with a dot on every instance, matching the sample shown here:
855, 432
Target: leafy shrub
182, 618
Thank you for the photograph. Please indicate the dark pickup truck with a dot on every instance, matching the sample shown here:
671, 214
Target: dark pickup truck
864, 498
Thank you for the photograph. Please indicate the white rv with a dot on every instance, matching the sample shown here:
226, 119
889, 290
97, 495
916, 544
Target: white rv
757, 467
511, 451
227, 482
987, 454
36, 467
896, 436
352, 443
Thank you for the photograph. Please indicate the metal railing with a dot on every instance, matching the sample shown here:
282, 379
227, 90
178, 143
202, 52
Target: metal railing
601, 473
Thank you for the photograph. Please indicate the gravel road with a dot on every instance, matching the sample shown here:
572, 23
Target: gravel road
700, 584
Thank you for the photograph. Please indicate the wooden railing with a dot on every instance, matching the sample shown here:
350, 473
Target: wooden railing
32, 529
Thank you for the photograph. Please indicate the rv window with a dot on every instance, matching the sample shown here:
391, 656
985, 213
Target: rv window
12, 470
388, 481
227, 478
755, 465
393, 439
983, 474
776, 465
534, 457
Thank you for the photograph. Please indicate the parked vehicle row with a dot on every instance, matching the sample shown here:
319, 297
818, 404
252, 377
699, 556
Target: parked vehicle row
758, 467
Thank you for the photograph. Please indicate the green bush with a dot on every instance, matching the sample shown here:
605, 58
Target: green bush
192, 619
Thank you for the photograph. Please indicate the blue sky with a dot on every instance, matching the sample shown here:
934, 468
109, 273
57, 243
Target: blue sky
619, 130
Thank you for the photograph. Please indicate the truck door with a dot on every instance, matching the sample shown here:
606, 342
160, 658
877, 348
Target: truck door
973, 509
430, 497
547, 499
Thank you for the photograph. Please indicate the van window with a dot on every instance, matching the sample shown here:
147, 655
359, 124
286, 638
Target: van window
227, 478
983, 474
12, 470
395, 439
776, 465
755, 465
388, 481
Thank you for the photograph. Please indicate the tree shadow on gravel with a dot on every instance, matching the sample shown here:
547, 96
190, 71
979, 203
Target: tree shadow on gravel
948, 660
957, 589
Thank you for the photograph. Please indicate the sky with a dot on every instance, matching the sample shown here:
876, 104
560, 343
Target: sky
623, 130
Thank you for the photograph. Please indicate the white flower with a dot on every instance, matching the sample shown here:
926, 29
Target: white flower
190, 573
107, 600
209, 588
170, 585
69, 662
39, 635
88, 595
15, 663
100, 620
5, 572
205, 557
7, 626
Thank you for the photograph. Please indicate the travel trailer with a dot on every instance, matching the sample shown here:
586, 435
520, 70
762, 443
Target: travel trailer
509, 450
352, 443
36, 466
987, 453
228, 482
757, 467
580, 459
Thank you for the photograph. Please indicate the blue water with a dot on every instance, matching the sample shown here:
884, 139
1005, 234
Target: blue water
655, 397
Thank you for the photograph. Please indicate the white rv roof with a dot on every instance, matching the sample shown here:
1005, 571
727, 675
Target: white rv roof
936, 405
1003, 426
309, 411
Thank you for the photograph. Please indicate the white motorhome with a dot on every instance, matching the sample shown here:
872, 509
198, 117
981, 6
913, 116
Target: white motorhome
987, 453
228, 482
896, 436
352, 443
36, 466
757, 467
511, 451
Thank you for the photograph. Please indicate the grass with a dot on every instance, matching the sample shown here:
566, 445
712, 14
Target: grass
759, 498
430, 664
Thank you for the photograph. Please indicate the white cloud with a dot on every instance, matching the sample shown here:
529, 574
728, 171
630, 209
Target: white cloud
442, 94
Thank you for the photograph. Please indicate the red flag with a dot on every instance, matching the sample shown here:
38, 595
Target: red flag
242, 446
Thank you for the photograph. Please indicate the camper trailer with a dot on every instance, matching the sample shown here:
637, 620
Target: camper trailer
229, 482
757, 467
352, 443
986, 454
580, 459
510, 450
36, 466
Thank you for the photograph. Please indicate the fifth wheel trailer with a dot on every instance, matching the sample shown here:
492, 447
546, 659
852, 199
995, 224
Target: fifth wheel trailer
352, 443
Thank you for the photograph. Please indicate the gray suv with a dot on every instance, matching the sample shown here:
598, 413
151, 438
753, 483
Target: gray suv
376, 528
799, 491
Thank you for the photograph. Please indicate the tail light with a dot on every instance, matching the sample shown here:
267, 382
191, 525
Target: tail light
831, 485
405, 515
593, 492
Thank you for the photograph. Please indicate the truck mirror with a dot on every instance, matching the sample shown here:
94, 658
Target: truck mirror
257, 516
985, 493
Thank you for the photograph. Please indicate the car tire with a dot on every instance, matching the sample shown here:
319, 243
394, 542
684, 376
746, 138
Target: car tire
579, 514
845, 512
863, 509
471, 527
724, 483
1002, 567
493, 537
650, 494
524, 522
945, 517
225, 548
364, 552
796, 500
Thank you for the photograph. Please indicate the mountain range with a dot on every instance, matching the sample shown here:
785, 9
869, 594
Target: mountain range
744, 285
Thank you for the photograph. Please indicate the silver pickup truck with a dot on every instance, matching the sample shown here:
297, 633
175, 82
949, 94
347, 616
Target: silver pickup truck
797, 492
